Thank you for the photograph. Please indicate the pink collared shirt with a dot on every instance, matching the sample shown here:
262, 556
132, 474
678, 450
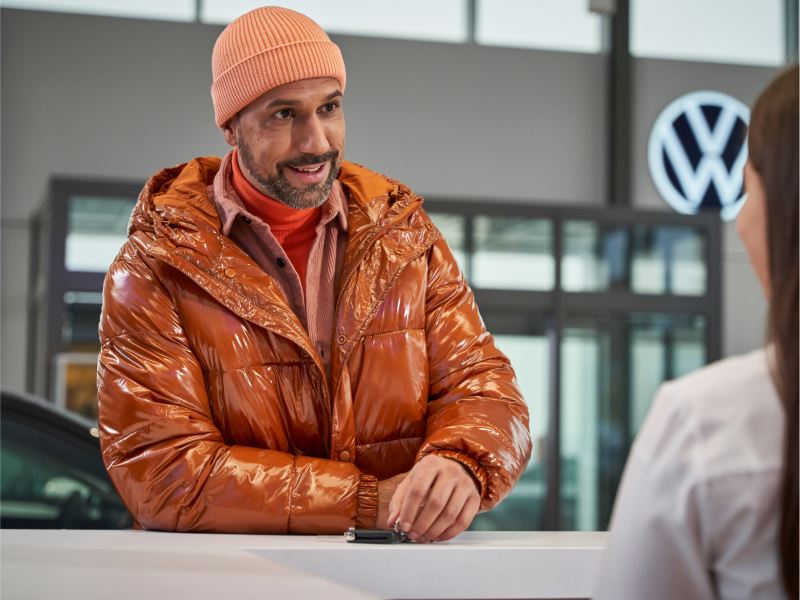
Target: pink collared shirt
315, 308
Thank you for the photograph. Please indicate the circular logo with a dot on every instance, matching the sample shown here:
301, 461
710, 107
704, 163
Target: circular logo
697, 153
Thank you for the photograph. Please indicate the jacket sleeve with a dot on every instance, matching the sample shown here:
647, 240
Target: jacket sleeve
476, 413
167, 459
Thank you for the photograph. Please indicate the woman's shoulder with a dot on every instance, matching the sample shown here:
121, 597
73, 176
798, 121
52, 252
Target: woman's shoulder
730, 413
726, 378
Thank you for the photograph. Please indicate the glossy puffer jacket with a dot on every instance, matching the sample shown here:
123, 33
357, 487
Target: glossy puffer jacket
216, 413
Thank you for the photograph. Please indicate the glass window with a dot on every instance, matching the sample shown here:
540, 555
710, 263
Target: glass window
96, 229
452, 229
549, 24
745, 31
513, 254
443, 20
529, 354
170, 10
668, 260
584, 381
595, 257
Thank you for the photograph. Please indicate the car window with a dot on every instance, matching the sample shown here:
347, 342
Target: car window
50, 478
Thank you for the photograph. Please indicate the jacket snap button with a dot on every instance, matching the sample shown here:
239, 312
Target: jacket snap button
344, 455
429, 226
229, 272
341, 339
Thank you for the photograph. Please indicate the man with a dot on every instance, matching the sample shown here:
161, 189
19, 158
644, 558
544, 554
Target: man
287, 342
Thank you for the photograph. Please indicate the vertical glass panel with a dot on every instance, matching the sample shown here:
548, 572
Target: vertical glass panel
452, 228
170, 10
648, 356
513, 253
668, 260
549, 24
523, 509
443, 20
96, 229
745, 31
595, 258
662, 347
584, 384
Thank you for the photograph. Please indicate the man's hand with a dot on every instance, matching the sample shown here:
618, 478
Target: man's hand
436, 501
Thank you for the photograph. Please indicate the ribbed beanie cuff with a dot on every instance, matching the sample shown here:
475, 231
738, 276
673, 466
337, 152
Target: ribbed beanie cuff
265, 48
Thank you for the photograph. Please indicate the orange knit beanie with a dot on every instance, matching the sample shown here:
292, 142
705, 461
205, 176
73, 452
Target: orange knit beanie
265, 48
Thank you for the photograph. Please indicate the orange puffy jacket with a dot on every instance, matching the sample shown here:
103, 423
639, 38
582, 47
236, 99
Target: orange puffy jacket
216, 413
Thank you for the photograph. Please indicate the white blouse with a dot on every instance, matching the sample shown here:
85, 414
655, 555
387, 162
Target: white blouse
697, 512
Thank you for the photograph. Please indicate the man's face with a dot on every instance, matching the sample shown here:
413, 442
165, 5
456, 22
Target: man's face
291, 141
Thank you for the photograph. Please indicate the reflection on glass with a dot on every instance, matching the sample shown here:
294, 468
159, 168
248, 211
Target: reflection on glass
524, 507
452, 228
595, 258
513, 253
96, 230
668, 260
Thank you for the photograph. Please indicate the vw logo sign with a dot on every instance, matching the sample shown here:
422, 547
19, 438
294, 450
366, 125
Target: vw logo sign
697, 153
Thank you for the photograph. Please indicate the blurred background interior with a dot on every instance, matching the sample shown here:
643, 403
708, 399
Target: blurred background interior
524, 123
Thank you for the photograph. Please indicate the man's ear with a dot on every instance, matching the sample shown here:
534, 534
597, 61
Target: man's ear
229, 131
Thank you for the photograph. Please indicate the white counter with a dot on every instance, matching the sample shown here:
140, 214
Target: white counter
122, 565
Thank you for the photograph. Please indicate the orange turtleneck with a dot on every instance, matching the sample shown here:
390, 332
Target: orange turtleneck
293, 228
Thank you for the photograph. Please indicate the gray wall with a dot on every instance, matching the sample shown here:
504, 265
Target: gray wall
120, 98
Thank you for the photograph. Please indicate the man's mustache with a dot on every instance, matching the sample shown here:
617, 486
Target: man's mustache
309, 159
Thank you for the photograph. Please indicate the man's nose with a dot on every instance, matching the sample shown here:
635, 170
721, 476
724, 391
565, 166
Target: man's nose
312, 137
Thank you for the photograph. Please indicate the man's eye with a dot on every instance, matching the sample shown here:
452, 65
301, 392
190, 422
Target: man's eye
330, 107
284, 113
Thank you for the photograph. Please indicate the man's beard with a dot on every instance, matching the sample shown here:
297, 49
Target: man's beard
279, 188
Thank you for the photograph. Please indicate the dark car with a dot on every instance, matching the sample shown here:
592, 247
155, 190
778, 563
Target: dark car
51, 473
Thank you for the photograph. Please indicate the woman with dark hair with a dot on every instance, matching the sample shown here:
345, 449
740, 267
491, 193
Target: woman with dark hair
708, 504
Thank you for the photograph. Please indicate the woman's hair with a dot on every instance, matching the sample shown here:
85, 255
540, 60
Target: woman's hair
772, 147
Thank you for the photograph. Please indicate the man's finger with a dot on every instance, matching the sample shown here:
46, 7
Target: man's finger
437, 502
451, 512
463, 521
420, 481
395, 503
